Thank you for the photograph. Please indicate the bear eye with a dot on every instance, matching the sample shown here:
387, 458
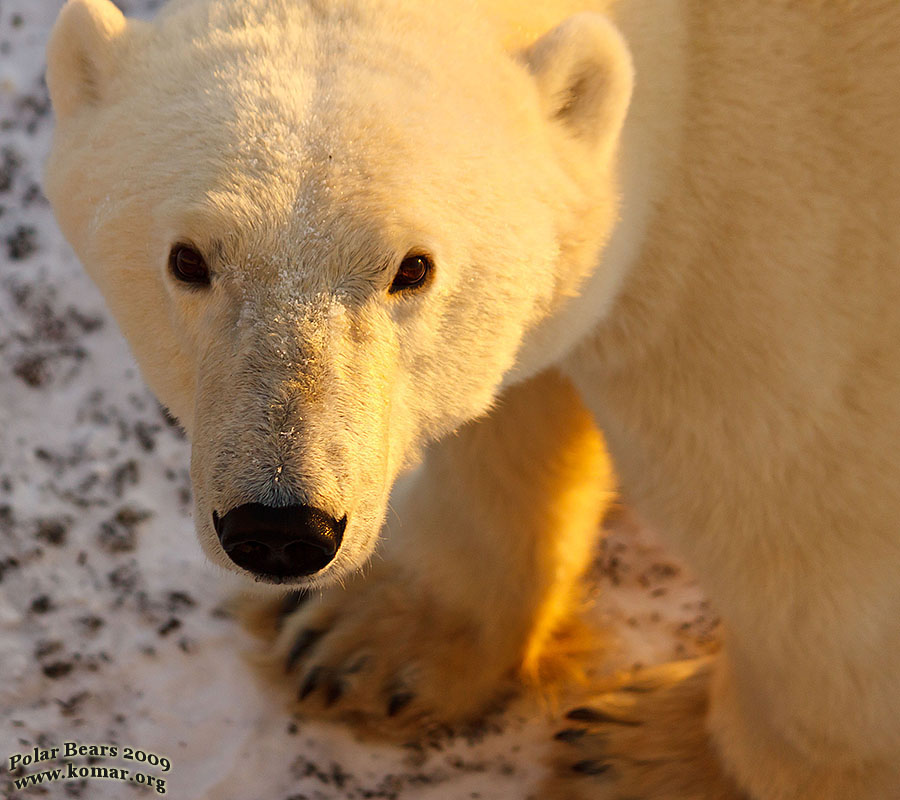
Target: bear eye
188, 266
412, 272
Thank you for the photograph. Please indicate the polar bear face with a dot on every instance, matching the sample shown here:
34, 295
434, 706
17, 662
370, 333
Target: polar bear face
325, 230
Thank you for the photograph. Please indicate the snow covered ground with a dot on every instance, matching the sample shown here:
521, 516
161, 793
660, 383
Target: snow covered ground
111, 623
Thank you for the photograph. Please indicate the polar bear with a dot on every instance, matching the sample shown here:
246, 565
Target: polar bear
344, 237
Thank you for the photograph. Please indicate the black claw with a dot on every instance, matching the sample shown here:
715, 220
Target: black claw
334, 692
585, 714
590, 767
305, 641
398, 702
312, 681
570, 735
292, 602
358, 665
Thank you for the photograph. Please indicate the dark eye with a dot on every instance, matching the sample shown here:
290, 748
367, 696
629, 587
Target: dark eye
188, 265
412, 273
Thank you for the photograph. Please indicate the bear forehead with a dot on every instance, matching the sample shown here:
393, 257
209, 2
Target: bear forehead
333, 99
272, 43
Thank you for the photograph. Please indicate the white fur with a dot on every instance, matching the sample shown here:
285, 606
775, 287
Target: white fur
719, 278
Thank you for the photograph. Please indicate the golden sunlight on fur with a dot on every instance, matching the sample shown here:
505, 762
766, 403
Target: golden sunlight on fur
392, 263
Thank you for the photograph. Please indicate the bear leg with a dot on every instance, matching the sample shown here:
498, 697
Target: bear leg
480, 565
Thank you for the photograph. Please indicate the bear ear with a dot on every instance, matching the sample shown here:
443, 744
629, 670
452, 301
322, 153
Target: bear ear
82, 53
584, 75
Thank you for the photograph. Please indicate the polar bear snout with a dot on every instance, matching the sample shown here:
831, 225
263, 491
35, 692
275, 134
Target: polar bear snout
279, 542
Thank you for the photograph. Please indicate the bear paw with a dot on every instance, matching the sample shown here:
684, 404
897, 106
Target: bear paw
388, 656
647, 740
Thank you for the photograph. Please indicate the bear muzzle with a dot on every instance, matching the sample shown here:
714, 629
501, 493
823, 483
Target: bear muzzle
279, 542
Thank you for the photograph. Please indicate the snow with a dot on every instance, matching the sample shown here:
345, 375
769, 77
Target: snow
112, 627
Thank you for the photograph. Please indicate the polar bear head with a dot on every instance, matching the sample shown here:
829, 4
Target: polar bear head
325, 229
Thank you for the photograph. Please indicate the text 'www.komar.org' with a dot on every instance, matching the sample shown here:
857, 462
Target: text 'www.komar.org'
69, 770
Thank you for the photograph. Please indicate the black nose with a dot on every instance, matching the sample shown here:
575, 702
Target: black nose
285, 542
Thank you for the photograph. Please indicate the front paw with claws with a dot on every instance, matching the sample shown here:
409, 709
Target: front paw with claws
647, 740
390, 656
